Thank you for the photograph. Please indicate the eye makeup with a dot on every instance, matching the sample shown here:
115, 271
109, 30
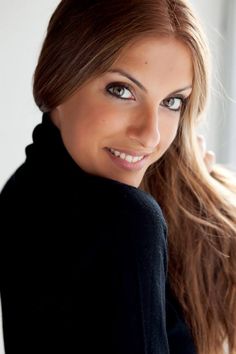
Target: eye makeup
121, 85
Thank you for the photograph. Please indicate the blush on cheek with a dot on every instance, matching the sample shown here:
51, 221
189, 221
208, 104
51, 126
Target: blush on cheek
168, 135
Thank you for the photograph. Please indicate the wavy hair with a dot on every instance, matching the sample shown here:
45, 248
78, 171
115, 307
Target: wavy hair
83, 41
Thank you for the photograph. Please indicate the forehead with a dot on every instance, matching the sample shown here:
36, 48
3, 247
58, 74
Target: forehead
164, 60
155, 48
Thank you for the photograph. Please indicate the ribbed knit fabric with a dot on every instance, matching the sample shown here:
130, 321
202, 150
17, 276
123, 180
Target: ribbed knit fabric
83, 259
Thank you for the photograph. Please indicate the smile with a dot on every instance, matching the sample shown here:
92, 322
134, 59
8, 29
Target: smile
123, 156
125, 161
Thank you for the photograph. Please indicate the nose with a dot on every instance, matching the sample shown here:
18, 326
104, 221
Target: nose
144, 128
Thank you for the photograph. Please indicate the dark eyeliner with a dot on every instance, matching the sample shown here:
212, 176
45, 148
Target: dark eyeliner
118, 84
183, 102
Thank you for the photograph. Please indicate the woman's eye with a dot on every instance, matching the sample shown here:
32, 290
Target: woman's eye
173, 103
120, 91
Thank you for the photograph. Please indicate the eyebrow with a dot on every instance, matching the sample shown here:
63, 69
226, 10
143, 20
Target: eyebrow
131, 78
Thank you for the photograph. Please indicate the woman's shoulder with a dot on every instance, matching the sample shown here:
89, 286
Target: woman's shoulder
131, 214
124, 196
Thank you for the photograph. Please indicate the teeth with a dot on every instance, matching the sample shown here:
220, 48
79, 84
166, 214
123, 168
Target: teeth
129, 158
123, 156
136, 158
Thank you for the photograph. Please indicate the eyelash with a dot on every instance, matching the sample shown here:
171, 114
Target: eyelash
121, 85
126, 86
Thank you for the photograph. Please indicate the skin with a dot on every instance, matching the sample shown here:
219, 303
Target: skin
135, 121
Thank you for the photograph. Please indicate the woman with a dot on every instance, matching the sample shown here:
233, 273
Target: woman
121, 92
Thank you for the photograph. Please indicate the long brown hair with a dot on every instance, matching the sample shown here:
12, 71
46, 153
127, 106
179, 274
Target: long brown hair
84, 38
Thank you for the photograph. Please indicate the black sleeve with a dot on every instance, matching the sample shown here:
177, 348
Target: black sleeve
83, 277
139, 278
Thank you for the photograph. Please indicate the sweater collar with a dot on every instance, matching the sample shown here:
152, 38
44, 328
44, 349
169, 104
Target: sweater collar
47, 152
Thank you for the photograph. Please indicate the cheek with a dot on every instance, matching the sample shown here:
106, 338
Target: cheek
83, 116
168, 128
90, 122
105, 120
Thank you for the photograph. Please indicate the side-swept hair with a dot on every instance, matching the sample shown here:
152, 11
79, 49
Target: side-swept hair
84, 38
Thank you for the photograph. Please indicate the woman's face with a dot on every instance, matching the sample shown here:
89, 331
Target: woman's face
118, 124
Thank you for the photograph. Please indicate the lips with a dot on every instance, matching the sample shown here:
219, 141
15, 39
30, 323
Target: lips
126, 161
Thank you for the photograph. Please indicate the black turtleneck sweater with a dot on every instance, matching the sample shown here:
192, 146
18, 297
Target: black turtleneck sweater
83, 260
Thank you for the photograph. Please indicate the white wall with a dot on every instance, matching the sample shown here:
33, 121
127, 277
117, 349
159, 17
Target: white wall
22, 29
219, 21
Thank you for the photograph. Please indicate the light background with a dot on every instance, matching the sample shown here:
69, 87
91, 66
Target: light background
22, 29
